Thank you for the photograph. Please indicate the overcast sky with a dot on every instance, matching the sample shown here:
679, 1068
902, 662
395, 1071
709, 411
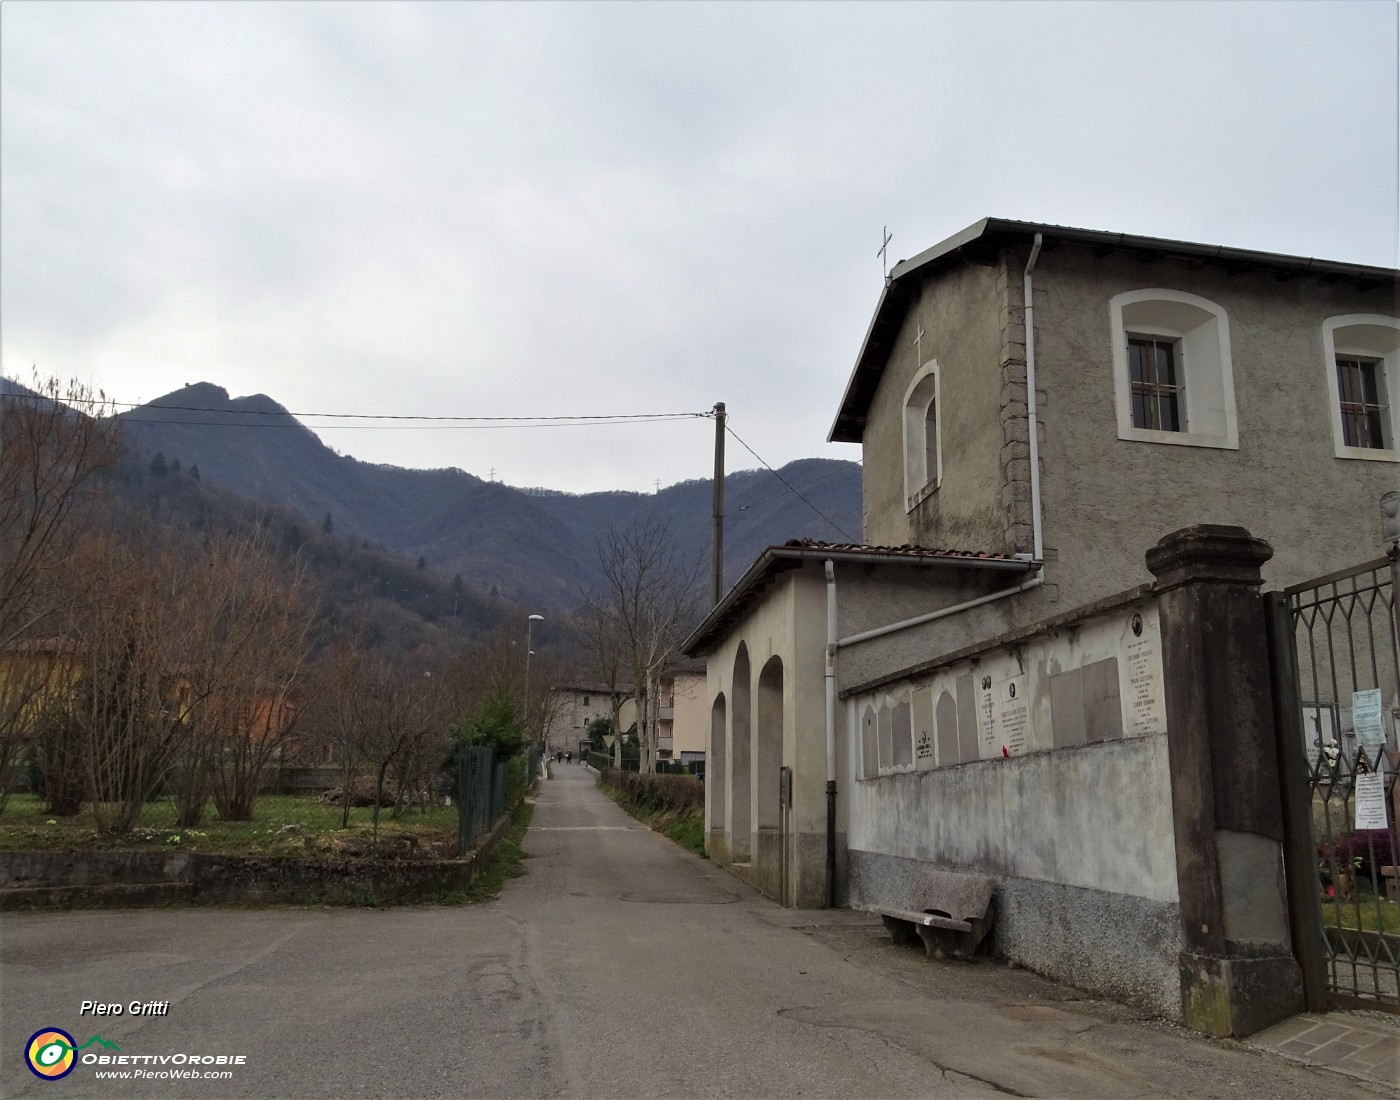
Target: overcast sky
590, 209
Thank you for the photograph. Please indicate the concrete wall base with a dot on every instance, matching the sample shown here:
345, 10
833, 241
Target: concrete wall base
1237, 996
1116, 945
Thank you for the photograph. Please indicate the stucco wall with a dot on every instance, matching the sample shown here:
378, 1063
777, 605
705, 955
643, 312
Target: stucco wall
870, 597
1071, 813
1105, 500
959, 316
691, 722
789, 623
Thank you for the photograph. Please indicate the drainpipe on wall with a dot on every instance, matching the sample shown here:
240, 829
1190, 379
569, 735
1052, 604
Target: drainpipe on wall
1037, 551
833, 643
830, 734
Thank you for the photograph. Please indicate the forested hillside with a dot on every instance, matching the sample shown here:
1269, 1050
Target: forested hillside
532, 545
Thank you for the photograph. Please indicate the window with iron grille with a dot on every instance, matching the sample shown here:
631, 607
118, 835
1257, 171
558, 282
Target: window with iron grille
1154, 383
1361, 388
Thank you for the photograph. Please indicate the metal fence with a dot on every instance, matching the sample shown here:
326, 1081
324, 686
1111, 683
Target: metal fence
484, 791
1341, 787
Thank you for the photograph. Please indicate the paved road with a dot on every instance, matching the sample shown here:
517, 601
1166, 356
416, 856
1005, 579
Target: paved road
619, 966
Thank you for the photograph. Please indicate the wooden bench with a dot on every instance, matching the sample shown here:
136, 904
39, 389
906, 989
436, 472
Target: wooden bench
950, 912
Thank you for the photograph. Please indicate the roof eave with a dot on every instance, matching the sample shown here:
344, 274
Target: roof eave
699, 643
849, 425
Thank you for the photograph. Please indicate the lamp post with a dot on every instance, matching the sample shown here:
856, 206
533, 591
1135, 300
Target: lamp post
529, 652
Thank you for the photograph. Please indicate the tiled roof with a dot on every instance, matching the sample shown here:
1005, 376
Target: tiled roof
907, 550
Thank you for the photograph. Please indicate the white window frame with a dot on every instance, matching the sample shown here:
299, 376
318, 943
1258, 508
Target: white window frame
1356, 334
919, 482
1201, 332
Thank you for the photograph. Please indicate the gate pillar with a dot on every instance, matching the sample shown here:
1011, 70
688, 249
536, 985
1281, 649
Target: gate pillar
1238, 974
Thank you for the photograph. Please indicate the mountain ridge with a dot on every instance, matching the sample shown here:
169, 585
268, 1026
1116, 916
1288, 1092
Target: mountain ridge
531, 544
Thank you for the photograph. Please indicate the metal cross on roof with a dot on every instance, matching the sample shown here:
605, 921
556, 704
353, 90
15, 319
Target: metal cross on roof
883, 253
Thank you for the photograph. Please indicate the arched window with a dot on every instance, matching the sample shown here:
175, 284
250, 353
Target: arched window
1172, 376
923, 436
1361, 359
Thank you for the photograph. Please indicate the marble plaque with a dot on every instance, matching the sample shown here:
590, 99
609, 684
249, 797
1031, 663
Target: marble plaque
1012, 715
1142, 671
987, 745
923, 729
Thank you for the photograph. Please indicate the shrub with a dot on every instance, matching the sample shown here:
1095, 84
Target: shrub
659, 793
1354, 851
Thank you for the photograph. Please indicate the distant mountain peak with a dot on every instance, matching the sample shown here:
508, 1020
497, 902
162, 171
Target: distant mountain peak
201, 395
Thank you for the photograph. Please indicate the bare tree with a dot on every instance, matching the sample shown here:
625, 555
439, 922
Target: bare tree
253, 624
648, 596
50, 456
606, 655
130, 703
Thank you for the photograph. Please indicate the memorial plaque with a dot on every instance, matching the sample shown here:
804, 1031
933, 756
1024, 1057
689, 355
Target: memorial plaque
1142, 660
987, 743
1012, 715
923, 729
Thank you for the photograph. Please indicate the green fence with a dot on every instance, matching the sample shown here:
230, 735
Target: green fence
487, 789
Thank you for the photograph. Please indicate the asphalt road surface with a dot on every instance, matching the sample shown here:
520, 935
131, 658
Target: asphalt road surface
620, 965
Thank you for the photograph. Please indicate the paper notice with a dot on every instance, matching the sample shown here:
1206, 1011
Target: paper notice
1370, 801
1366, 717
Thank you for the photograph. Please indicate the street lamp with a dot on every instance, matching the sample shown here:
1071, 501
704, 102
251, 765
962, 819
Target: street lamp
529, 652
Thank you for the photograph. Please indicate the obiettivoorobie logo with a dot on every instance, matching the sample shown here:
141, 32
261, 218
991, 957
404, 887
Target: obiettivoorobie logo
51, 1053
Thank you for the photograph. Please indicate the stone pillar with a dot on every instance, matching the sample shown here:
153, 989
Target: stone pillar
1238, 974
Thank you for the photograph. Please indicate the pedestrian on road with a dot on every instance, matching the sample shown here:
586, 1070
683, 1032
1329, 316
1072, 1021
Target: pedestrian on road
569, 757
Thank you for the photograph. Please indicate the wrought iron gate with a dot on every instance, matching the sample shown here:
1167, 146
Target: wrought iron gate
1337, 691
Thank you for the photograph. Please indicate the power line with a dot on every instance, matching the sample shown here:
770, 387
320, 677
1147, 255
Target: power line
590, 422
784, 480
774, 496
613, 417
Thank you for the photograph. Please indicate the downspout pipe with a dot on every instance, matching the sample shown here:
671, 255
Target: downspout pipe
831, 644
942, 612
1037, 551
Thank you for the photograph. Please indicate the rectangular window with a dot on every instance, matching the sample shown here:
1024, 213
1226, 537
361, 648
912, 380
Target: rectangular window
1361, 387
585, 700
1154, 387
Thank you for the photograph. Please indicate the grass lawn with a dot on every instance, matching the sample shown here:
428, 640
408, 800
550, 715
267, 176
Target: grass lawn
1368, 913
283, 825
687, 830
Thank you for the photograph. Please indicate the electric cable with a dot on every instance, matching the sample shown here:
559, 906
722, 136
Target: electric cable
729, 428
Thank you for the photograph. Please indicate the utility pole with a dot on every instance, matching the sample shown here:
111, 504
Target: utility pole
717, 534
